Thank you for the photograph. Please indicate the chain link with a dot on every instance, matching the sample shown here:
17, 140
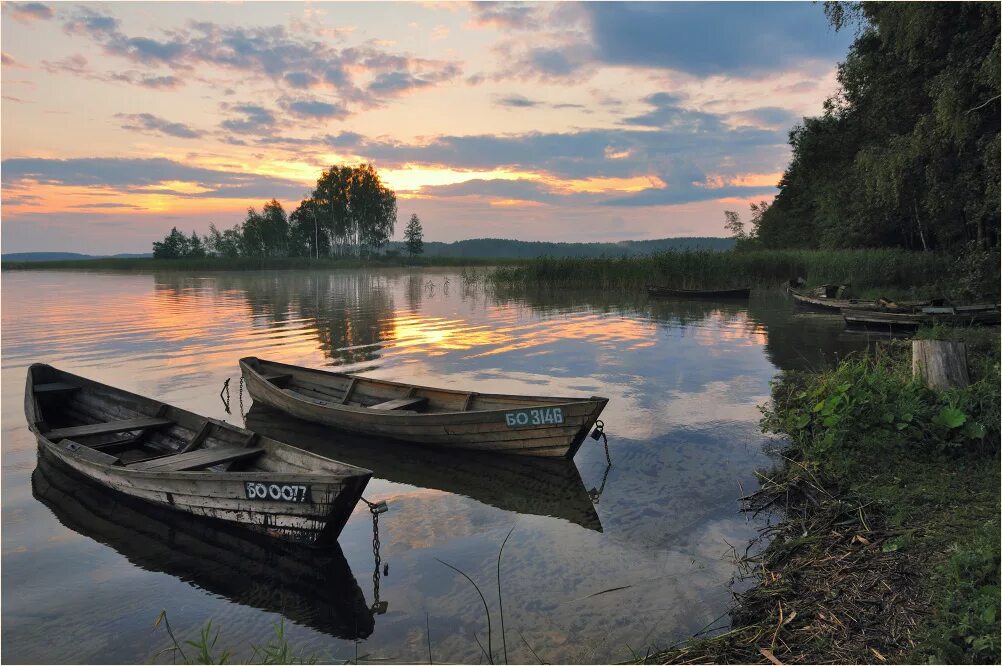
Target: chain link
241, 396
375, 508
378, 560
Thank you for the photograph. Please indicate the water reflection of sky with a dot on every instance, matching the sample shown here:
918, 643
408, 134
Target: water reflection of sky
684, 381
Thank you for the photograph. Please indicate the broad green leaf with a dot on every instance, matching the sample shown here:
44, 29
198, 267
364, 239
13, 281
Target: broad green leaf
951, 417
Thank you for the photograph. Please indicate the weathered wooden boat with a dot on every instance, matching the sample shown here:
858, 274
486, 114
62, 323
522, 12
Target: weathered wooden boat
308, 586
970, 315
177, 459
534, 486
835, 304
513, 424
665, 292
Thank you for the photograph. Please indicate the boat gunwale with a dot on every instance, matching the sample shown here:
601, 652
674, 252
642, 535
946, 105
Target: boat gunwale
350, 471
368, 411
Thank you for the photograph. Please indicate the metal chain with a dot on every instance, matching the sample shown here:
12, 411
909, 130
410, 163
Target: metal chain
241, 396
377, 559
599, 432
375, 508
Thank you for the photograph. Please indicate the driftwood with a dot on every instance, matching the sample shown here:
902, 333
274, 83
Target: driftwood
941, 364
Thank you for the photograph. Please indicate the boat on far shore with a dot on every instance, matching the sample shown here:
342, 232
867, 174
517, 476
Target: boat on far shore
666, 292
963, 315
835, 304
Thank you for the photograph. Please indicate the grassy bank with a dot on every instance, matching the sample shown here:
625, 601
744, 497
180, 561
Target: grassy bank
246, 263
888, 546
904, 272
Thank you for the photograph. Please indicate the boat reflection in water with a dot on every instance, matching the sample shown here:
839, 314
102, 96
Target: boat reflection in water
535, 486
311, 587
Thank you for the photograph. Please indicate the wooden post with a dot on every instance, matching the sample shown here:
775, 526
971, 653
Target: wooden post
940, 364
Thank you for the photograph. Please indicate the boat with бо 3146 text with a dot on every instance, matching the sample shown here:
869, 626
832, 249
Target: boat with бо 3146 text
500, 423
168, 456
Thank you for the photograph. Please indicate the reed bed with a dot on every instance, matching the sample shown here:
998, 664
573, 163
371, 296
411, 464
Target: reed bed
862, 269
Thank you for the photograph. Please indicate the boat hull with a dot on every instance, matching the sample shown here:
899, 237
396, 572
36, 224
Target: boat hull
483, 430
903, 321
313, 587
312, 516
662, 292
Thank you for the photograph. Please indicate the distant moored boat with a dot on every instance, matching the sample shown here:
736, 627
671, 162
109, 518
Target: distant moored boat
665, 292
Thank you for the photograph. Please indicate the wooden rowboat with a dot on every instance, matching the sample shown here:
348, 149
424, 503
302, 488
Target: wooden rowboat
534, 486
514, 424
972, 315
834, 304
168, 456
665, 292
308, 586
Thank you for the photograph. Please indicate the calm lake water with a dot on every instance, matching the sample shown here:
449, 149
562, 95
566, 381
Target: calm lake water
603, 559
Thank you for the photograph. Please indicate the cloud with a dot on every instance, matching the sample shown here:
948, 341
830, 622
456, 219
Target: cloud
766, 116
77, 65
109, 205
301, 79
311, 108
685, 194
146, 176
668, 114
26, 12
517, 102
399, 82
255, 119
150, 124
8, 61
519, 190
364, 75
732, 38
504, 15
343, 140
86, 21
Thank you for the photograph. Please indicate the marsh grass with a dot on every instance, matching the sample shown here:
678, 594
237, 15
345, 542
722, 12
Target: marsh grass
861, 269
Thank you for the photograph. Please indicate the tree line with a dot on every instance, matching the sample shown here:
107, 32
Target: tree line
906, 152
349, 213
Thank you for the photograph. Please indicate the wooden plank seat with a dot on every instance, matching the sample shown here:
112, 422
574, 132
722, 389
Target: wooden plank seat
195, 460
55, 387
109, 427
88, 453
274, 379
399, 403
307, 398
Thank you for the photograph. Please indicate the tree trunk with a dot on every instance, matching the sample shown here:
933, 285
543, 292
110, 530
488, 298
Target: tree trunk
940, 364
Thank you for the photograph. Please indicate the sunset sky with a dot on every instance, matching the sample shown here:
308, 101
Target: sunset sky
572, 122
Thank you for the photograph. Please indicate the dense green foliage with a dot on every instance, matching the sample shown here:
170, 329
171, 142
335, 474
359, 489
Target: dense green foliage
349, 213
906, 153
926, 464
504, 248
176, 245
862, 269
869, 406
414, 236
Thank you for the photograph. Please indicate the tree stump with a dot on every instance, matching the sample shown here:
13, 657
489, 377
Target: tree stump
940, 364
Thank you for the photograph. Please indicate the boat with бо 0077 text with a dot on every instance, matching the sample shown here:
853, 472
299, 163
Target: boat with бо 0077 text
500, 423
179, 460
